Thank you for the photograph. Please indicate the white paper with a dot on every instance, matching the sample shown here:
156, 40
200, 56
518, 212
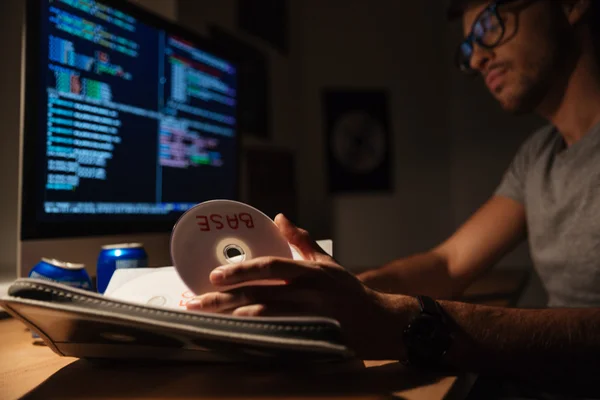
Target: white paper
160, 287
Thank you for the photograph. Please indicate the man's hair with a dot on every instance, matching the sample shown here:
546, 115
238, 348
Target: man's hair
457, 7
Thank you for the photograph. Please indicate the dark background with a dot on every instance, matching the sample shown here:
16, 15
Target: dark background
451, 141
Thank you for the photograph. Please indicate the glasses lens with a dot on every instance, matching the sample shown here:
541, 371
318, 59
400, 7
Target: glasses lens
487, 31
464, 53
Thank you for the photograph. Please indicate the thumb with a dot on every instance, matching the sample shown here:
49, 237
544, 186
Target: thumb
300, 239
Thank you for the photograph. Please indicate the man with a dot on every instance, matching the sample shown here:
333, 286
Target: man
534, 56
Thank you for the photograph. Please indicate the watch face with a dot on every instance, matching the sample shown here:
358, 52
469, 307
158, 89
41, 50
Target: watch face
426, 339
425, 327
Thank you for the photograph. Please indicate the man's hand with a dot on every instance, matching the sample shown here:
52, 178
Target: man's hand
317, 286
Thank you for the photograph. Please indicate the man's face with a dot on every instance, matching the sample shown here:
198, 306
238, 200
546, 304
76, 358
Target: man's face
522, 69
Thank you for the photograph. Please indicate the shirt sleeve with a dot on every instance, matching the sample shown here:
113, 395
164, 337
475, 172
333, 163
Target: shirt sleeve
512, 184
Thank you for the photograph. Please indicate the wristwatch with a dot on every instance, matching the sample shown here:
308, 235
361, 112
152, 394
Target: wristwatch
428, 336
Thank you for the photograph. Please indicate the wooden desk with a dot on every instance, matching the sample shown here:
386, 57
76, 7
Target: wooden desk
35, 370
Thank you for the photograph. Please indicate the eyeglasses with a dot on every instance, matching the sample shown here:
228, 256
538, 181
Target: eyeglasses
487, 31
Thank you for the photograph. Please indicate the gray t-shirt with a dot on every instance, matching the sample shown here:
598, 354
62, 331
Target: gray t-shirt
560, 189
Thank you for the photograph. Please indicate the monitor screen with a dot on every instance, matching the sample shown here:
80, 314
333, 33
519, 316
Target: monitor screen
129, 120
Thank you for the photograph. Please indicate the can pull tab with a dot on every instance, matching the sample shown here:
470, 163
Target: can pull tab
63, 264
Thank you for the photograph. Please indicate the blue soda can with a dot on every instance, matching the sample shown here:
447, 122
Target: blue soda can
62, 272
117, 256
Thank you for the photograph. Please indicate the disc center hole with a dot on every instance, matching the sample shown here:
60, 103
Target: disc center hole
234, 253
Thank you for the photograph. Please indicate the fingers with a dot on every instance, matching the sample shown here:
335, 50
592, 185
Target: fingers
299, 238
278, 299
219, 301
256, 310
259, 269
262, 310
253, 310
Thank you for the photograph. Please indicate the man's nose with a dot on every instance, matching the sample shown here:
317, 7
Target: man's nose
480, 57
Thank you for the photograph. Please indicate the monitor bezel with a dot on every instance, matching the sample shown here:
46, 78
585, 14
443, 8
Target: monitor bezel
31, 227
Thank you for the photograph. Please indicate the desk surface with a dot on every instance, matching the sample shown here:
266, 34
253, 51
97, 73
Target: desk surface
35, 369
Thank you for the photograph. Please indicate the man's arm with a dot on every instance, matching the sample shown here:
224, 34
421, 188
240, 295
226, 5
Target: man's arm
537, 346
547, 346
447, 270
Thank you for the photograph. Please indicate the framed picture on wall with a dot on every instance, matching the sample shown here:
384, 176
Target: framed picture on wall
358, 140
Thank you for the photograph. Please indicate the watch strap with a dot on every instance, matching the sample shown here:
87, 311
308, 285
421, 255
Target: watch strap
430, 310
429, 306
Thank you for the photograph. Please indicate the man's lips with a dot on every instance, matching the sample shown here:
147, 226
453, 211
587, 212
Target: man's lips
494, 78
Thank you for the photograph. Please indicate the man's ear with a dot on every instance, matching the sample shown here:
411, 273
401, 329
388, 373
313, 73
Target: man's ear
576, 10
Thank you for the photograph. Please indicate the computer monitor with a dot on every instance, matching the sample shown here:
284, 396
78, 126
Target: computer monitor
129, 121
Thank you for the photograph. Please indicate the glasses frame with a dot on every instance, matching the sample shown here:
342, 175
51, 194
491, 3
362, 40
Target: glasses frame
471, 38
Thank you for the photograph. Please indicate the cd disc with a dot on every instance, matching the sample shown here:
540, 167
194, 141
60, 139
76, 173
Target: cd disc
218, 232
